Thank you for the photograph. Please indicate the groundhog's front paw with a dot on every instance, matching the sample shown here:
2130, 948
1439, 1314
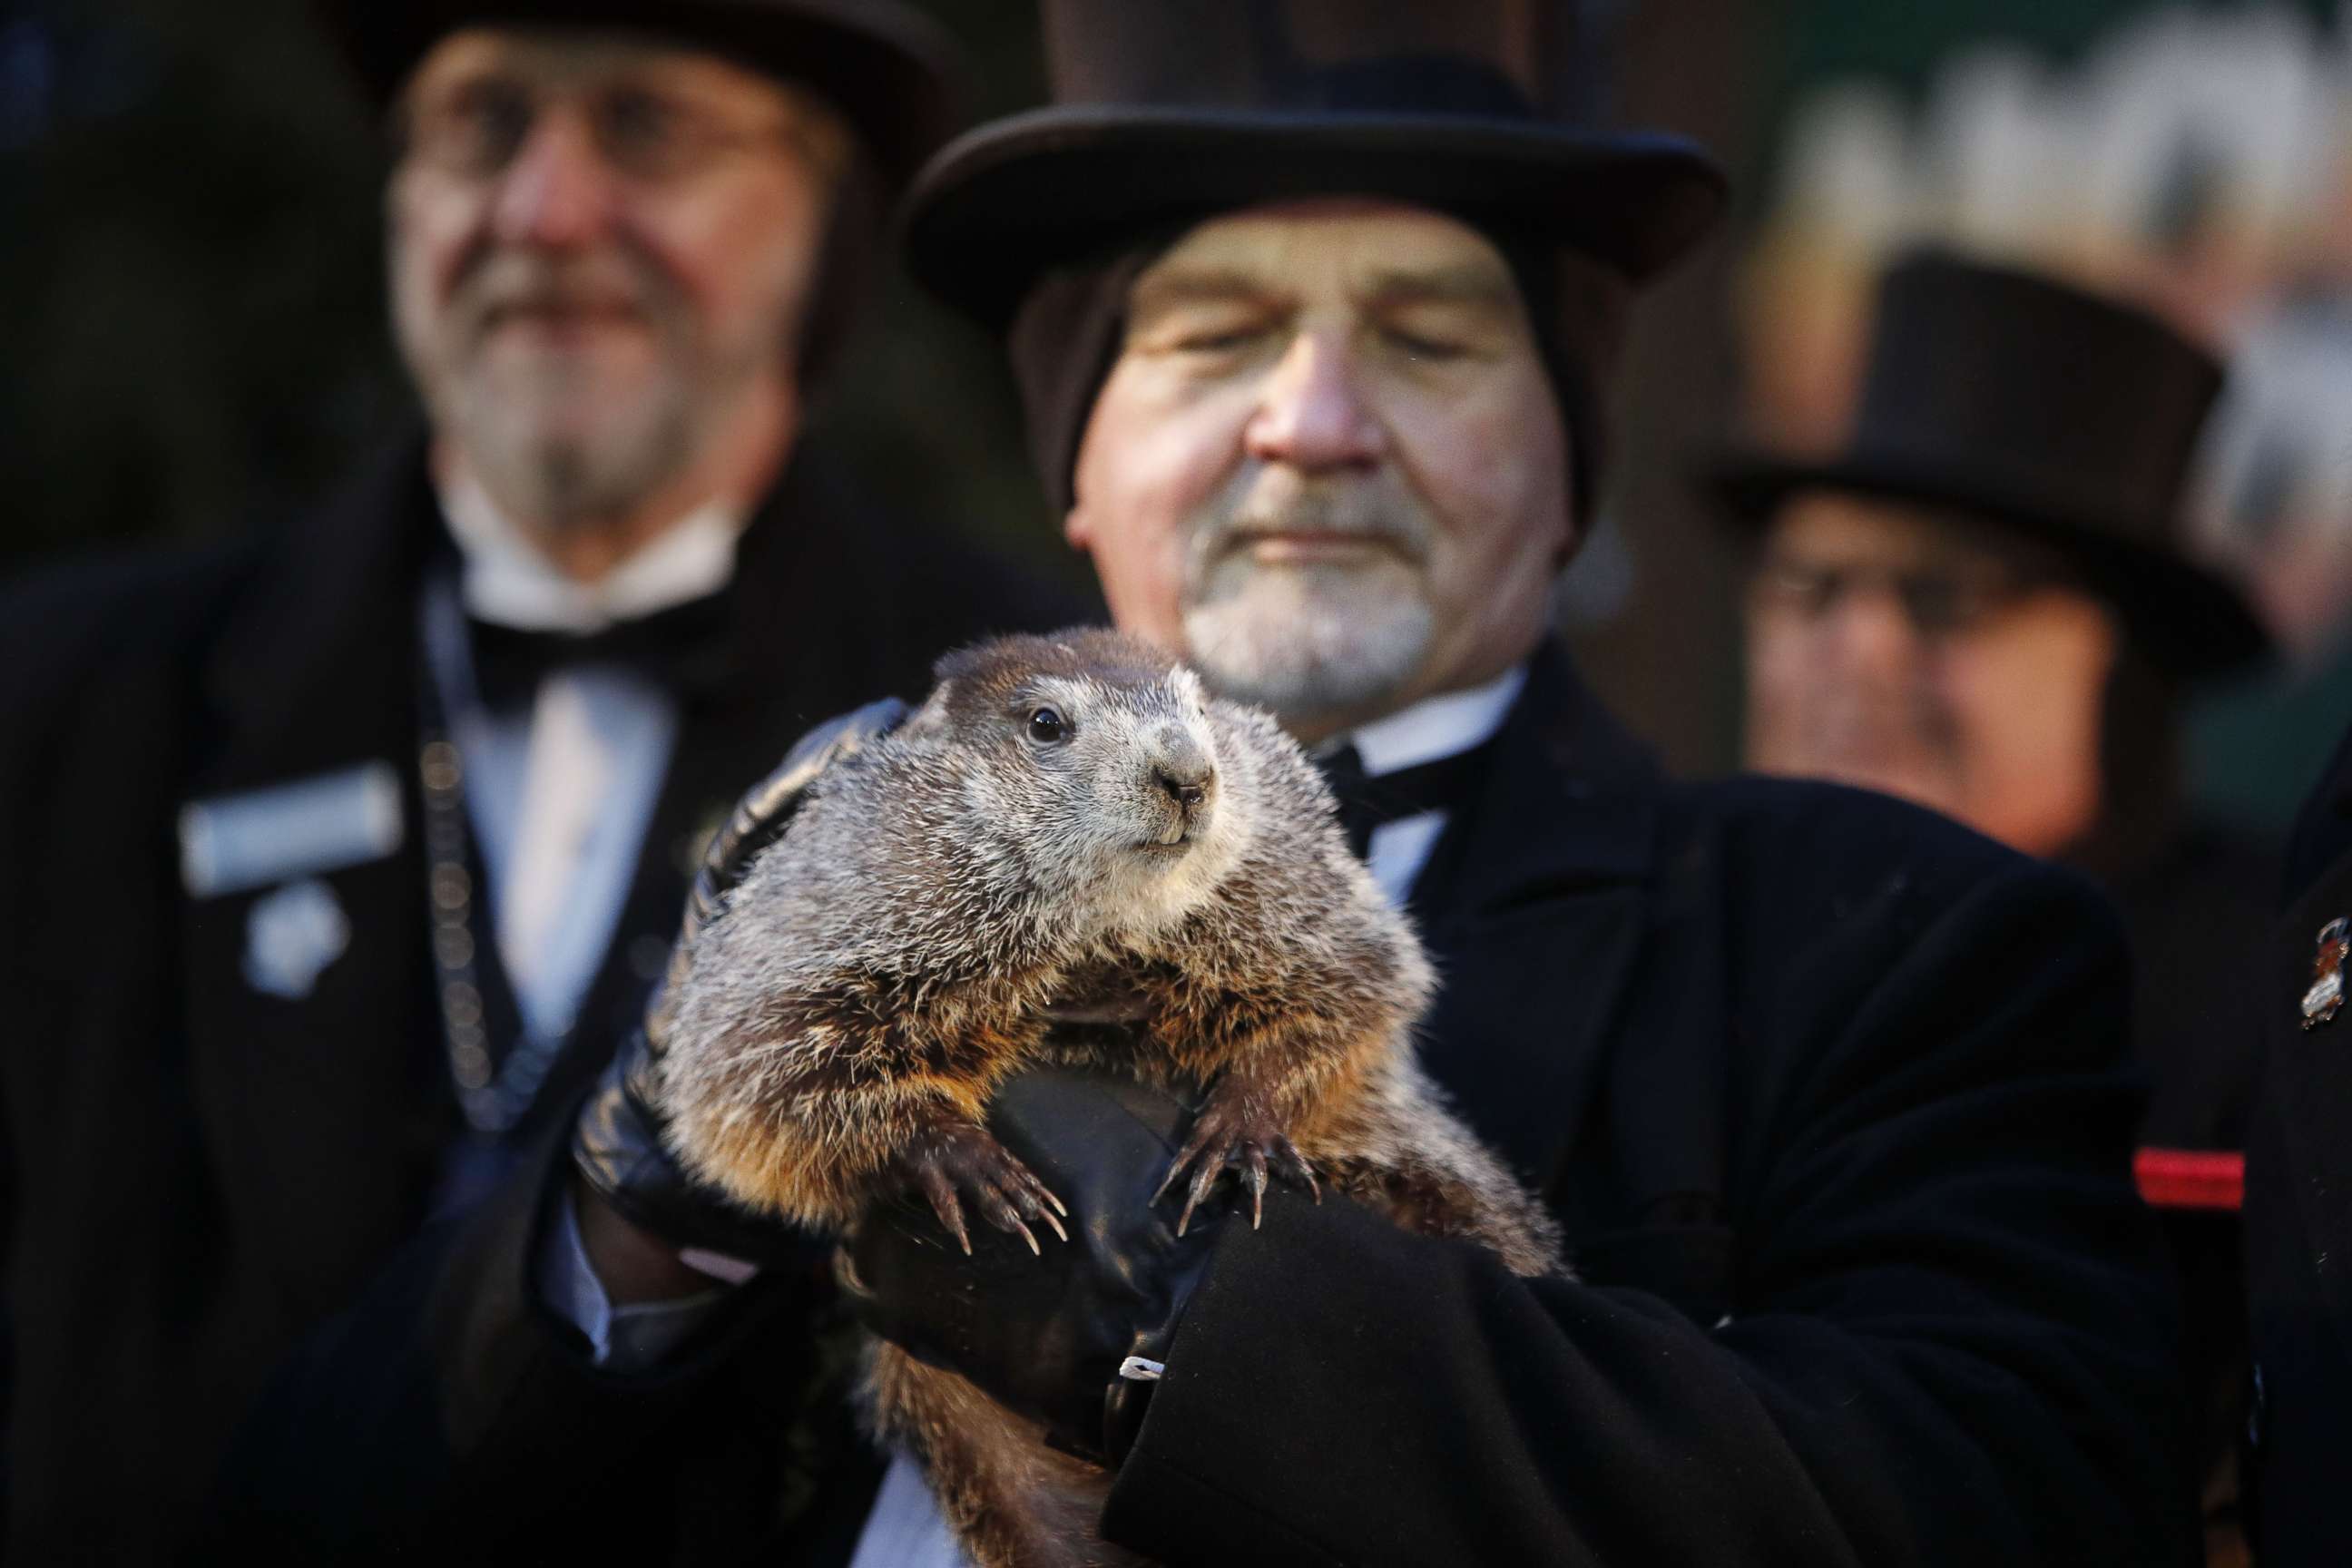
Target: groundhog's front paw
952, 1156
1236, 1128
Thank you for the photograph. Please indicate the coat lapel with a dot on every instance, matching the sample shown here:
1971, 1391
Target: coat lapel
2310, 1080
815, 612
316, 679
1535, 905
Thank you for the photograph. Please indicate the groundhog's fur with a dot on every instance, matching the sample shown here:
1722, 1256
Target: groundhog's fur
840, 1027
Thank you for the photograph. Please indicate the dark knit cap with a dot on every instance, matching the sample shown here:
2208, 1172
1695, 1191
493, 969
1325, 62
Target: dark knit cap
1069, 332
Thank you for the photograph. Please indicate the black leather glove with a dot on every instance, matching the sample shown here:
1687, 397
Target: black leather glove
617, 1141
1048, 1336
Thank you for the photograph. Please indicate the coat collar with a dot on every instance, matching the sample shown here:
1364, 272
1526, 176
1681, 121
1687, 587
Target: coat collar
1536, 907
337, 593
331, 598
1567, 802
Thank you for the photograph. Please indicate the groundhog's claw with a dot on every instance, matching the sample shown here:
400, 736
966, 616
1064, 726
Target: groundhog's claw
1294, 1166
966, 1160
1235, 1128
1254, 1174
1205, 1179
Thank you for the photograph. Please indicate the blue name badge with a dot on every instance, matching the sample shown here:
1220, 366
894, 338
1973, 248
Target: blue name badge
231, 843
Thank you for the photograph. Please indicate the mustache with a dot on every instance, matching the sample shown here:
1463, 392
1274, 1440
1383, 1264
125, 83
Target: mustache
505, 282
1363, 509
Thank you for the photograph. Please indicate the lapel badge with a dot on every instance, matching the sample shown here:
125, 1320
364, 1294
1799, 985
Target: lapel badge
234, 843
2325, 998
291, 935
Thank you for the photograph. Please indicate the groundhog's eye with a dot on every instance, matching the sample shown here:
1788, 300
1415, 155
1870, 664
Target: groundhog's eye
1046, 726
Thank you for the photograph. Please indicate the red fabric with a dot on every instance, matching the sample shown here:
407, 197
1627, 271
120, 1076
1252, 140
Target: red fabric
2190, 1179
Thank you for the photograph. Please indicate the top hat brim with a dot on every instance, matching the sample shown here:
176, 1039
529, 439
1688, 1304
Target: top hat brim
2188, 618
886, 68
1003, 204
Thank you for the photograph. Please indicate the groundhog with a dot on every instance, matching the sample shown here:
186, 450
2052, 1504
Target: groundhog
1067, 827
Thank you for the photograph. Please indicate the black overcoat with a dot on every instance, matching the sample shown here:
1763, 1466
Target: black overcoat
2198, 908
2299, 1214
1831, 1097
197, 1172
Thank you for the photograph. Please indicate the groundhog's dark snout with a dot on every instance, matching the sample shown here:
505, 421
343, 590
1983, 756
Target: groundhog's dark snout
1182, 769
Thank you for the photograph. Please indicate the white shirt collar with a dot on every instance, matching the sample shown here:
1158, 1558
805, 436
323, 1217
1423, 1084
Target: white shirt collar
1441, 726
507, 582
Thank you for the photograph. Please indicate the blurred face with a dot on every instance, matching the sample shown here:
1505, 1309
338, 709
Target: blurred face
1892, 649
1328, 468
600, 253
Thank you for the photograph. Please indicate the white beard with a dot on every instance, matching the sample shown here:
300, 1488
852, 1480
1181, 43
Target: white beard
552, 451
1309, 641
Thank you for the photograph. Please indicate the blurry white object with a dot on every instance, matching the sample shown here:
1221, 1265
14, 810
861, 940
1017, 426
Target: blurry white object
291, 935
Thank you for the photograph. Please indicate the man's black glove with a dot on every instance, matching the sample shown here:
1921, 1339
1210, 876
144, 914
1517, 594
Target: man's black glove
1075, 1338
617, 1141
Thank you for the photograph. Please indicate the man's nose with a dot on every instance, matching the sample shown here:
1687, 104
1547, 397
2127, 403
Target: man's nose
558, 191
1312, 414
1872, 628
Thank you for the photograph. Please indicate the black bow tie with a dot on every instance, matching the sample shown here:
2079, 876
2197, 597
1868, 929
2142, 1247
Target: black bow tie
1368, 801
682, 649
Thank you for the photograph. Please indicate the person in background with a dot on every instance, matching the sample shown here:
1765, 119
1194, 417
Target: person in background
338, 860
1982, 604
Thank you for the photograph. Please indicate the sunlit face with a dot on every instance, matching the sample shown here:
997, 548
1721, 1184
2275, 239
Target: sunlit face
601, 250
1896, 650
1328, 467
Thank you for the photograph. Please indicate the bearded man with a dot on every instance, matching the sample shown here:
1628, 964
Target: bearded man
338, 860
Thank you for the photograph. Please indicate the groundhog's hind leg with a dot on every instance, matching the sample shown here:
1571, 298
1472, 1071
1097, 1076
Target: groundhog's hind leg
1013, 1501
1401, 1149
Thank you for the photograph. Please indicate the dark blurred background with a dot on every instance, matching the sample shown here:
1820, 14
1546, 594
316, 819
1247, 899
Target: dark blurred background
191, 293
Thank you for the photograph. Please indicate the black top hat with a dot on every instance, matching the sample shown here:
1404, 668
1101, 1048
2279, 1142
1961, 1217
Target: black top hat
884, 67
2065, 417
1166, 109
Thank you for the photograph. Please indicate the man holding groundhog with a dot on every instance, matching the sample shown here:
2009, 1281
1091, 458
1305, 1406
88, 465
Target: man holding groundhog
1311, 305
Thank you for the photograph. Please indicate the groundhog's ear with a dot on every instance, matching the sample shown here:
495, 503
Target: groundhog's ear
932, 716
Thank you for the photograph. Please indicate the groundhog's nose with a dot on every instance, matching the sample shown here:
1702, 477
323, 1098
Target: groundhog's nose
1185, 793
1182, 769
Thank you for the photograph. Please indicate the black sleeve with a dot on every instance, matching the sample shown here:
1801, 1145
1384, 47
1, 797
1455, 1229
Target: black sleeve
1951, 1342
450, 1416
